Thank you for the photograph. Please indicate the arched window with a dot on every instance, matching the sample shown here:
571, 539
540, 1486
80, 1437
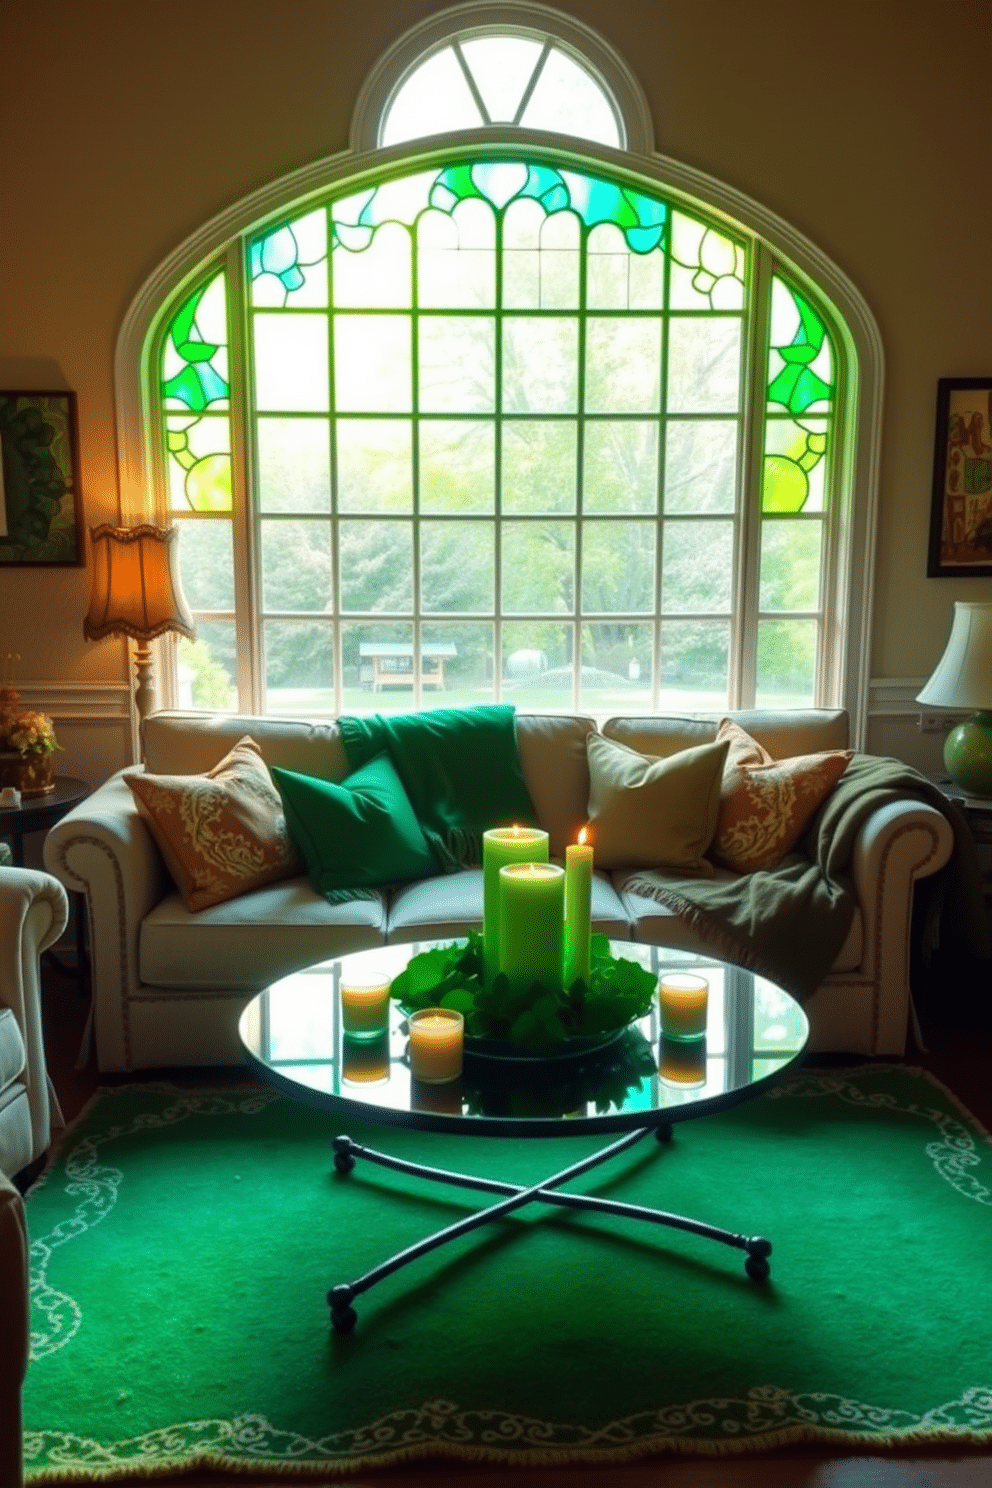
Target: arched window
512, 419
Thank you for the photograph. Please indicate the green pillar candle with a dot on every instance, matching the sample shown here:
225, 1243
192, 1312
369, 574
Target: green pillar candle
532, 917
500, 846
578, 910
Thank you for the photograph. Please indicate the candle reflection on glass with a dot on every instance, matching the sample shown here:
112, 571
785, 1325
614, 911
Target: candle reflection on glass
436, 1041
683, 999
682, 1062
365, 1006
441, 1100
365, 1062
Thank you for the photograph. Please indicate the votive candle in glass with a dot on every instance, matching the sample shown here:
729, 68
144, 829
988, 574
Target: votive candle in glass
500, 846
684, 1001
578, 909
364, 1006
437, 1038
532, 919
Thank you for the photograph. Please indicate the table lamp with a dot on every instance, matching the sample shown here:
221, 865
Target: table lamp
137, 592
963, 679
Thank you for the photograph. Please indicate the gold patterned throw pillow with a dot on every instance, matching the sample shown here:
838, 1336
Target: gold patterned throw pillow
766, 804
221, 834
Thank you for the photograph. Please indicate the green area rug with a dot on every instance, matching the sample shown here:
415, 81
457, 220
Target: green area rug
183, 1242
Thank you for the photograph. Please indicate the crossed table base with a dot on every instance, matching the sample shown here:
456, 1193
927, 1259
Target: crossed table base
340, 1298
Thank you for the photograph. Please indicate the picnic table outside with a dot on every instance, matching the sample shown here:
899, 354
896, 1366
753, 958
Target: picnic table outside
390, 663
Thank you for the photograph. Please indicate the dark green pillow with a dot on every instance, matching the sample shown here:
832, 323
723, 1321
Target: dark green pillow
356, 834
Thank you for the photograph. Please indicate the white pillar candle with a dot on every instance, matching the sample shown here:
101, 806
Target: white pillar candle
364, 1006
684, 1000
500, 846
437, 1037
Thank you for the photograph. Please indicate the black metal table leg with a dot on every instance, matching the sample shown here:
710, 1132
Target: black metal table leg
340, 1298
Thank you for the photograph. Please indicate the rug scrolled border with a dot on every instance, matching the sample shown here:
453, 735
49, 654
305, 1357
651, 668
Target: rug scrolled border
80, 1192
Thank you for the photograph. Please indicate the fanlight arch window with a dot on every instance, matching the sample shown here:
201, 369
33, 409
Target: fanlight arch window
498, 422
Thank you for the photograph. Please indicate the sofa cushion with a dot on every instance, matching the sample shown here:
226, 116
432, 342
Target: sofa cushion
360, 833
221, 833
556, 772
444, 908
651, 812
13, 1057
782, 732
767, 804
251, 941
177, 743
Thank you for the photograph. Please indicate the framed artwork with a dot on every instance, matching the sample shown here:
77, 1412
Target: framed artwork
961, 514
41, 509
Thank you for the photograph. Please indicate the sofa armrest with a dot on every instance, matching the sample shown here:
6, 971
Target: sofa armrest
103, 849
34, 911
897, 844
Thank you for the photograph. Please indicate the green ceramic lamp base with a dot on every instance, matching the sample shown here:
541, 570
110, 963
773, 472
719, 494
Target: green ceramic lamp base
968, 755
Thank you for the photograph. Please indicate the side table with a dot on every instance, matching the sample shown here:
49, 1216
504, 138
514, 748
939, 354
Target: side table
977, 812
37, 815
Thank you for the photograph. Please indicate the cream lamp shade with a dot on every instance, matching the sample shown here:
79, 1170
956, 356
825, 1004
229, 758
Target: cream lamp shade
963, 679
137, 592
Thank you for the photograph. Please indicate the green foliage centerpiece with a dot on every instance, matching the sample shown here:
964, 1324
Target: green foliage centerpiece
535, 1018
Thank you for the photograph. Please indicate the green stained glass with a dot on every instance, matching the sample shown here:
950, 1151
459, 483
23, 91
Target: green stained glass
806, 375
193, 373
195, 339
641, 218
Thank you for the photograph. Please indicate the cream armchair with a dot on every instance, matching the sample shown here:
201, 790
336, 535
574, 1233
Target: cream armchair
34, 911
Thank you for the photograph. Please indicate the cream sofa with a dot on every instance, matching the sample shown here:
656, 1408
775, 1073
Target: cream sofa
34, 910
168, 985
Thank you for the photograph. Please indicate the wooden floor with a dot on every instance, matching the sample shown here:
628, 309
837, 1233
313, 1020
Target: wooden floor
959, 1054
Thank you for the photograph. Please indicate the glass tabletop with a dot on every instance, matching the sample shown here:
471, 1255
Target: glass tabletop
755, 1031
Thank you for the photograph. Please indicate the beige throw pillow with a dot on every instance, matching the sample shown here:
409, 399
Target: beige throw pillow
651, 812
221, 834
767, 804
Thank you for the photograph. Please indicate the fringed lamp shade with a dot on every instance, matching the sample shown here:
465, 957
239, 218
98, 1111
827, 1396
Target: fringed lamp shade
963, 679
136, 587
137, 592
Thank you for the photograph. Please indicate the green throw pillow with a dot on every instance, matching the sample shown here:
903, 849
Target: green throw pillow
359, 833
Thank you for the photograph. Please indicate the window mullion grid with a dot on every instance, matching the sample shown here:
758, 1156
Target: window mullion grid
750, 484
473, 86
660, 517
578, 519
415, 313
244, 482
337, 643
528, 92
498, 464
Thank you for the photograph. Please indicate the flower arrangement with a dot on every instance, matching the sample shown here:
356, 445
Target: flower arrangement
24, 733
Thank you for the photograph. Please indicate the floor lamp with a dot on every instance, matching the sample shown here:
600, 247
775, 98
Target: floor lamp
137, 592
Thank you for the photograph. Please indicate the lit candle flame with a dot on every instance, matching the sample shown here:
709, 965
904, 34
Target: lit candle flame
583, 836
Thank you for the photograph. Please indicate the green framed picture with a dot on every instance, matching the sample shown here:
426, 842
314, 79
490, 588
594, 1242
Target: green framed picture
41, 509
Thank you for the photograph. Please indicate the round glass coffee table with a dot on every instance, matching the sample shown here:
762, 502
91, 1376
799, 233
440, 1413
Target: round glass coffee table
636, 1083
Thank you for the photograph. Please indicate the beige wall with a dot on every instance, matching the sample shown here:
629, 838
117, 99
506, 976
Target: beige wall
126, 125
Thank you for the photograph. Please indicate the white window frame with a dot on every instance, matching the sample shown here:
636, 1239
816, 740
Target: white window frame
858, 399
